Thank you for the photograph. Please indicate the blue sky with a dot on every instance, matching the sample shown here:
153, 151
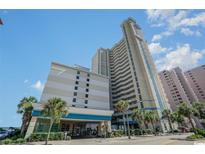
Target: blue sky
31, 39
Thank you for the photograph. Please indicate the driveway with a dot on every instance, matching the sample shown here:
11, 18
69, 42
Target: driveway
139, 140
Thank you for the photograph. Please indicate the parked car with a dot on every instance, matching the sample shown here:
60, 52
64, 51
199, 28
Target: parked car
4, 134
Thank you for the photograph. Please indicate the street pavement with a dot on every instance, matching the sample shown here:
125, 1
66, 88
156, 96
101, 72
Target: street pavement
137, 140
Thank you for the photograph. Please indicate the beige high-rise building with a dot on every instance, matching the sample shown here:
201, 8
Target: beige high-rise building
177, 88
196, 78
133, 75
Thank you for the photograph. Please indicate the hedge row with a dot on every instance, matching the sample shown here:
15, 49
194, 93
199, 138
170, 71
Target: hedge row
35, 137
10, 141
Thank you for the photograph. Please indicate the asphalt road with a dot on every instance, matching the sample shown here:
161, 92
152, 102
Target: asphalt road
141, 140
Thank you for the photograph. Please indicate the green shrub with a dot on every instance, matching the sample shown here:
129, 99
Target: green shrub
117, 133
200, 132
20, 141
195, 136
15, 137
42, 136
7, 141
136, 131
147, 131
139, 131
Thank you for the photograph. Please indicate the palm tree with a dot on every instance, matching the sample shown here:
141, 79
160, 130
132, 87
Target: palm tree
176, 117
166, 114
151, 117
186, 111
199, 110
55, 108
138, 116
147, 118
122, 106
25, 108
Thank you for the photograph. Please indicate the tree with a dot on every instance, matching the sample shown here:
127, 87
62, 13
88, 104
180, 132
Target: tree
187, 112
25, 108
54, 109
176, 117
151, 117
138, 116
199, 110
166, 114
147, 118
122, 106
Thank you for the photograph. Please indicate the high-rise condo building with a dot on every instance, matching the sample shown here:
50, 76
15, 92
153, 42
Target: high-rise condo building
100, 62
177, 88
87, 96
132, 73
196, 78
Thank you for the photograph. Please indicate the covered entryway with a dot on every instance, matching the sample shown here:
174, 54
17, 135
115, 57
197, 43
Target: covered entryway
84, 129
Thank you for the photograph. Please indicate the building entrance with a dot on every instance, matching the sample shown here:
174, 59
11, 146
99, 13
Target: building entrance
80, 129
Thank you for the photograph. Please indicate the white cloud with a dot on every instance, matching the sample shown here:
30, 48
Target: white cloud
174, 20
158, 37
25, 81
38, 85
197, 20
183, 57
188, 32
154, 15
155, 48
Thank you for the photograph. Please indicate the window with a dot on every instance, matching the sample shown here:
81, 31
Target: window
87, 85
86, 95
88, 74
140, 97
86, 101
76, 82
85, 107
76, 88
137, 84
77, 77
78, 72
138, 91
73, 105
75, 93
87, 90
74, 99
88, 80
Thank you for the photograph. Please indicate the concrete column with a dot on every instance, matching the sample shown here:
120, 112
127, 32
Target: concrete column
109, 126
100, 128
71, 127
31, 127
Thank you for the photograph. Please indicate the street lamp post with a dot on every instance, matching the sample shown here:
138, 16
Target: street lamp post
128, 126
